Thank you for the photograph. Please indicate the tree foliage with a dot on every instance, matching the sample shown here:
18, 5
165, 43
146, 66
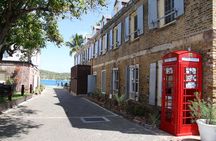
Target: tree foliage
75, 43
27, 24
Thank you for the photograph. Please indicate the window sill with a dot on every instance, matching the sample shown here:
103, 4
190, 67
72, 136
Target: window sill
116, 48
135, 39
168, 24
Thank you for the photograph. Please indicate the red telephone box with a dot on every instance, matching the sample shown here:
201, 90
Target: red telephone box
182, 76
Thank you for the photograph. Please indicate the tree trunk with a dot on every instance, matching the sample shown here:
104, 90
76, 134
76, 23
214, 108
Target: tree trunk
2, 51
4, 30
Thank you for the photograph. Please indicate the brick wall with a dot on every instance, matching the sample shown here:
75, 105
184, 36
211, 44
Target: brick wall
25, 74
194, 29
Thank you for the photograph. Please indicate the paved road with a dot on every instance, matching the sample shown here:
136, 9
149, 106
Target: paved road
58, 116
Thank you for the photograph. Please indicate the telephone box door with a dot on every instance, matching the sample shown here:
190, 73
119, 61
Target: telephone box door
169, 73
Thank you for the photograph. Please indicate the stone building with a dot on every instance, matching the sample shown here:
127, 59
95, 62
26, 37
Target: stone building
22, 72
126, 52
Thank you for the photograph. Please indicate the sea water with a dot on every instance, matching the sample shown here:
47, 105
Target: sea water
48, 82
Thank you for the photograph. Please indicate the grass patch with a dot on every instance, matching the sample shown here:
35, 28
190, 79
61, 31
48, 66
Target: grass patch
16, 95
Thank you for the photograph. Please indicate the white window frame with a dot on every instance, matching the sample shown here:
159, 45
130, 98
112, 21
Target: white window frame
134, 82
100, 45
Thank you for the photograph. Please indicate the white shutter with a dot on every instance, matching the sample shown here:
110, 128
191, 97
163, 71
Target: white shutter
103, 83
159, 83
140, 19
91, 51
152, 14
127, 29
78, 59
111, 40
96, 48
152, 84
100, 46
179, 6
131, 79
75, 59
105, 44
86, 54
119, 34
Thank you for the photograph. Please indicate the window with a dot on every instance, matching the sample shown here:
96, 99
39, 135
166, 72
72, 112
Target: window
136, 23
169, 11
134, 82
133, 26
127, 31
96, 49
93, 50
162, 12
103, 81
107, 41
115, 41
115, 80
104, 44
119, 34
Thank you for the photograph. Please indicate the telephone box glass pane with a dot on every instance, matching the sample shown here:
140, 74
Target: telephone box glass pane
190, 77
190, 85
169, 70
191, 71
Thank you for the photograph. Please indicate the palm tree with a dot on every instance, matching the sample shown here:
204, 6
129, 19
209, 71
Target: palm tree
75, 43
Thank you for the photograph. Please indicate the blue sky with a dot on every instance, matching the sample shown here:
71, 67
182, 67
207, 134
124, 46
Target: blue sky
57, 59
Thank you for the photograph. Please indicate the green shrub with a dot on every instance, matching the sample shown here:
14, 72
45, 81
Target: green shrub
203, 109
120, 99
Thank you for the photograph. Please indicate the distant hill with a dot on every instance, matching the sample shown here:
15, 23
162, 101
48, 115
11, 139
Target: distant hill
44, 74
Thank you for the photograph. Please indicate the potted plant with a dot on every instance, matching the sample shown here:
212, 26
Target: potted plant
204, 112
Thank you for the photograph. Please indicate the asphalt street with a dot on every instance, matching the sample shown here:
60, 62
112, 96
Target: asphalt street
56, 115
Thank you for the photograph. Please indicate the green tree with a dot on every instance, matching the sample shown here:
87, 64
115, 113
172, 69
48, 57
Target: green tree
27, 24
75, 43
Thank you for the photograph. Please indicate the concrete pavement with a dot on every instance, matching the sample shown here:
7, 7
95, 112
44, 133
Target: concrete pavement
58, 116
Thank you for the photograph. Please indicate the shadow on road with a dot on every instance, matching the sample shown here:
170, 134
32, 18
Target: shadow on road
15, 123
77, 107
